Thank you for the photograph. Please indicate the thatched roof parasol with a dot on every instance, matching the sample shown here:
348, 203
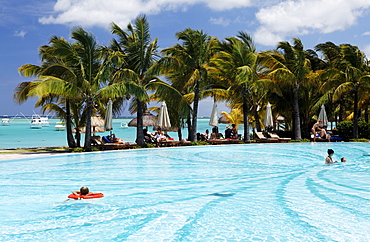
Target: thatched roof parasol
97, 124
223, 120
94, 129
148, 120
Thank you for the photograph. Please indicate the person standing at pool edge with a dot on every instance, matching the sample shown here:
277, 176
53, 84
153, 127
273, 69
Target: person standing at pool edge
329, 159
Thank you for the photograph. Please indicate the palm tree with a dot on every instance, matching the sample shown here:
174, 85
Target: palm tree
187, 65
57, 103
133, 73
290, 66
80, 74
238, 63
348, 72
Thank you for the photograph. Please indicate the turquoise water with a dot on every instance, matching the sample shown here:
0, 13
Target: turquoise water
253, 192
20, 135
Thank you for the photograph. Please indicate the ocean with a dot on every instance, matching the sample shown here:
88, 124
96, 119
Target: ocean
19, 134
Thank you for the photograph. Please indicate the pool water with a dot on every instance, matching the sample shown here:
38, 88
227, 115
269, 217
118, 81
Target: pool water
254, 192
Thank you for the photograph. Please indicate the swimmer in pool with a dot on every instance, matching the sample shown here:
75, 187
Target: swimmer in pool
343, 159
83, 191
329, 159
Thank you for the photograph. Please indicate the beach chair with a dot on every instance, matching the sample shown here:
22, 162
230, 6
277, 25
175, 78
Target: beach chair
262, 138
275, 136
103, 144
96, 140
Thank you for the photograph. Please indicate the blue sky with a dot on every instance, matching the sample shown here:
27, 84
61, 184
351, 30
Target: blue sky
27, 24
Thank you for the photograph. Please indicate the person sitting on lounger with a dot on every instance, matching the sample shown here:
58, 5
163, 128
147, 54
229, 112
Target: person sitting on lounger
214, 132
205, 136
113, 138
234, 132
159, 136
228, 132
321, 131
148, 137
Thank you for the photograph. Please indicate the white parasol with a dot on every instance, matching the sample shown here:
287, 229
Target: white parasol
323, 117
268, 122
213, 121
108, 122
163, 117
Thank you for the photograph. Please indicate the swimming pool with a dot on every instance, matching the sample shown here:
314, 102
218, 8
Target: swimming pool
255, 192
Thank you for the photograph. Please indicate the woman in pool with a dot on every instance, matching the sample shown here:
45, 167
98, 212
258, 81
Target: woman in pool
329, 159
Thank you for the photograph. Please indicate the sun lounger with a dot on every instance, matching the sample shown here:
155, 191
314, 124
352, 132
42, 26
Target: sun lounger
275, 136
261, 138
98, 142
223, 141
168, 143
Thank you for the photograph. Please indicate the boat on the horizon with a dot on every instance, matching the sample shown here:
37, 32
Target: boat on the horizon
38, 122
5, 122
60, 126
124, 125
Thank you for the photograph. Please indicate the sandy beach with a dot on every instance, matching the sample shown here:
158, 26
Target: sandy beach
29, 153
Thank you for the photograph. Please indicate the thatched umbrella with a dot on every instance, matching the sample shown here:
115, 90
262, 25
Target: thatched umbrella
97, 124
148, 120
223, 120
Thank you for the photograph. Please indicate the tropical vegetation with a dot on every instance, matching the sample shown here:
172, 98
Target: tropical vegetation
76, 79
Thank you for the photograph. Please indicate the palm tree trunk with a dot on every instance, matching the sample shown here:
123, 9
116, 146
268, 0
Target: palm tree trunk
139, 127
366, 112
89, 104
355, 114
257, 119
245, 115
296, 118
190, 127
78, 138
70, 140
193, 134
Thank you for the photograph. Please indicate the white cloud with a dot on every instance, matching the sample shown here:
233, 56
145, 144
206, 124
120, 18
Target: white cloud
366, 50
366, 33
101, 13
220, 21
302, 17
21, 33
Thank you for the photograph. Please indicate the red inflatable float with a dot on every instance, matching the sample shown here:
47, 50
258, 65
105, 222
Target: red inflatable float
88, 196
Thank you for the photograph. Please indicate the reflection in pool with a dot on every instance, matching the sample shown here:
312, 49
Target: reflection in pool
267, 192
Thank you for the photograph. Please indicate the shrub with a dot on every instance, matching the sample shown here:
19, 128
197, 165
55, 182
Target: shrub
79, 149
150, 145
195, 143
345, 129
300, 141
359, 140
